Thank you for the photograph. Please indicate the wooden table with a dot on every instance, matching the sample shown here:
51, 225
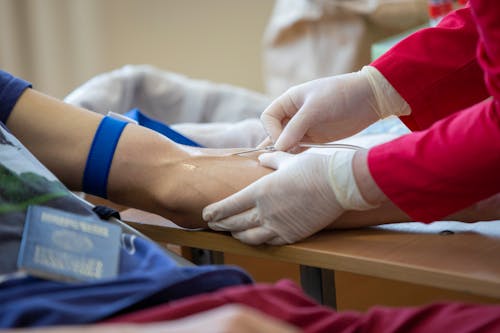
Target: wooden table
450, 255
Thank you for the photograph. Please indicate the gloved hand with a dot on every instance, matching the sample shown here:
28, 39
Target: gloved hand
332, 108
305, 194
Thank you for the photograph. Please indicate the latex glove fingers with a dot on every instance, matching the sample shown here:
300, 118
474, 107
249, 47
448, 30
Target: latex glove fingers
295, 201
238, 213
274, 160
256, 236
233, 205
277, 115
238, 222
304, 126
291, 115
331, 108
266, 142
238, 209
278, 240
320, 107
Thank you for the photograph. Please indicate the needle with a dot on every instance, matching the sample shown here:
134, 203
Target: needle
251, 150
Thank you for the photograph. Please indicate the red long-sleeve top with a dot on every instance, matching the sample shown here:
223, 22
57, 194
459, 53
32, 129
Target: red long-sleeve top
450, 77
286, 301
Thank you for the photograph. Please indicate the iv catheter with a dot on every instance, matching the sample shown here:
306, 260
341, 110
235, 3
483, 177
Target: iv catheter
303, 145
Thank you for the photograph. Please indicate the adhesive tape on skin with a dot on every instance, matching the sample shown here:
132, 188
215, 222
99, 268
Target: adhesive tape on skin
343, 183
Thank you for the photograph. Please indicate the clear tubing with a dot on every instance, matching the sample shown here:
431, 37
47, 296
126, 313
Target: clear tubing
304, 145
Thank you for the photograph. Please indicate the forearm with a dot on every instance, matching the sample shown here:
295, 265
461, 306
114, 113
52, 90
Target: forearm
191, 184
387, 212
148, 171
60, 136
485, 210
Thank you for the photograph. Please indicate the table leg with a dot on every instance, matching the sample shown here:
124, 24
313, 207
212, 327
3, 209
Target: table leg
206, 257
319, 284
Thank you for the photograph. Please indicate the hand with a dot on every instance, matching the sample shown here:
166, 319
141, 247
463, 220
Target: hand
304, 195
331, 108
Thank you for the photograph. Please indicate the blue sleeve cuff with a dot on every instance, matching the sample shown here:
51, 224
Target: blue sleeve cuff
11, 88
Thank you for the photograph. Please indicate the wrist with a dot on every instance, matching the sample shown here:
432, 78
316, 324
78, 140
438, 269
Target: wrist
386, 100
368, 189
360, 98
343, 182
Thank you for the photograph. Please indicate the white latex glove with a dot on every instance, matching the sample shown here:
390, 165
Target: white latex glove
331, 108
305, 194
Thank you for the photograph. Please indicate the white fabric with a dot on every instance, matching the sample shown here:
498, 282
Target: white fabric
173, 99
245, 133
388, 101
292, 203
308, 39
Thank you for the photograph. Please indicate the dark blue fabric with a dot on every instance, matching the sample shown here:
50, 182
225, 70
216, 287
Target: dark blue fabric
11, 89
160, 127
147, 277
102, 150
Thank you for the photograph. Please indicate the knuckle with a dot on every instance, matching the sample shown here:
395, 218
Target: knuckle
255, 218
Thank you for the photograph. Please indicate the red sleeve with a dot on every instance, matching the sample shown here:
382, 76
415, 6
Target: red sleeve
454, 163
285, 300
438, 317
436, 70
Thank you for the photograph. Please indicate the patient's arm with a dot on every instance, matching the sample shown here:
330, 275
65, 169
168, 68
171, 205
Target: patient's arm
180, 187
152, 173
148, 171
485, 210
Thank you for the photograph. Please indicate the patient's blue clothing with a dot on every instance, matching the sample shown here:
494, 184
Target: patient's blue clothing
10, 90
147, 275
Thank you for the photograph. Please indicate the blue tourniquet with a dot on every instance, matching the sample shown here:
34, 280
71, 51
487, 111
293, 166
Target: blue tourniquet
160, 127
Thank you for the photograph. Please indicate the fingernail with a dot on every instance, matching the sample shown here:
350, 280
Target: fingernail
207, 215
